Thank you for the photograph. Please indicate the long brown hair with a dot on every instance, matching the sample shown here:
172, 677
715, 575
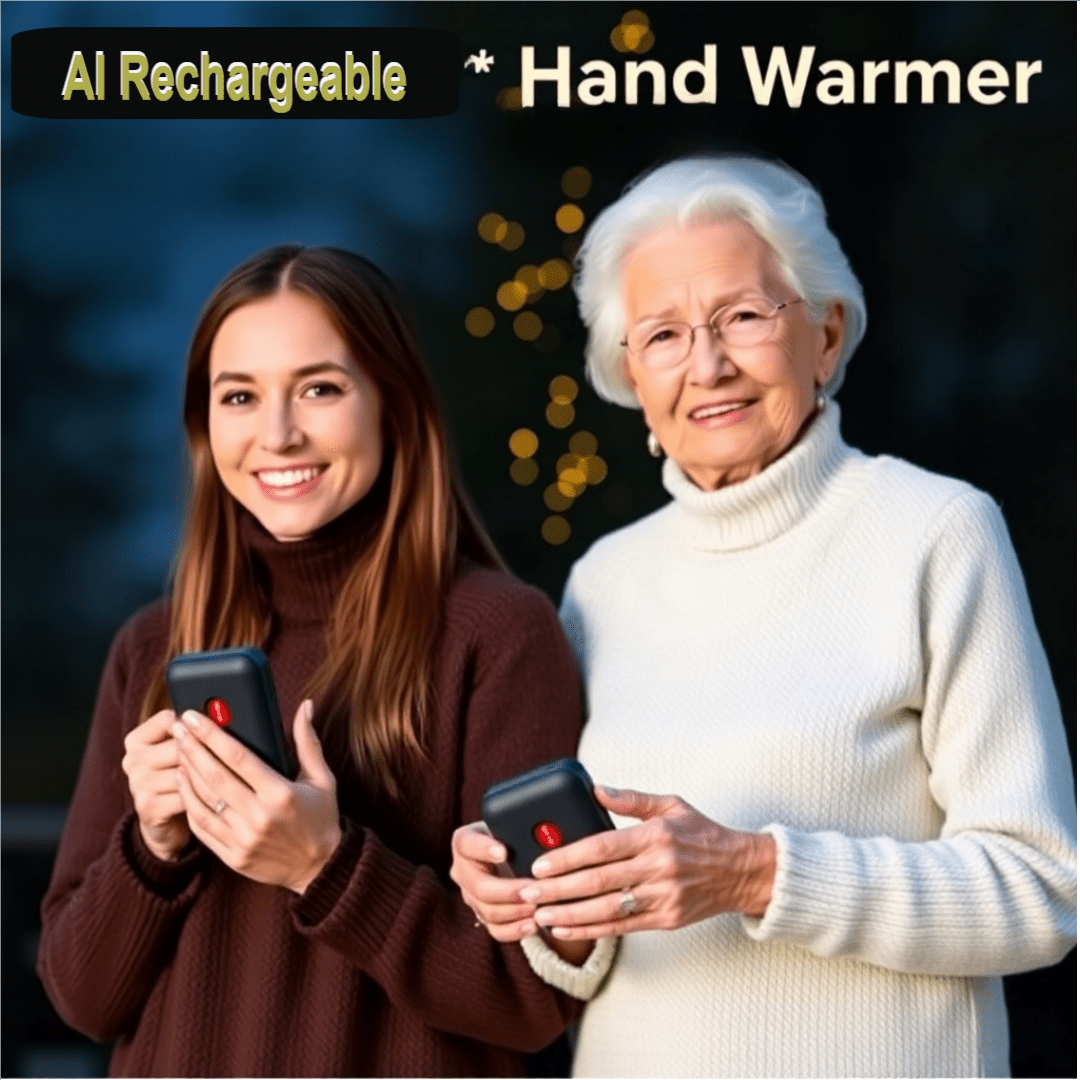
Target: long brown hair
382, 631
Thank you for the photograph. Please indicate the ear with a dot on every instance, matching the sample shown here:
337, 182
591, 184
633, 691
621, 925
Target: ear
627, 374
832, 341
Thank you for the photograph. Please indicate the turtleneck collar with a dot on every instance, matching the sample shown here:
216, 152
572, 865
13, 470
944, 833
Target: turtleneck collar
759, 509
304, 577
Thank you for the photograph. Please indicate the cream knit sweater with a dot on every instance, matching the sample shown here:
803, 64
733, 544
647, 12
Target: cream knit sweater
840, 652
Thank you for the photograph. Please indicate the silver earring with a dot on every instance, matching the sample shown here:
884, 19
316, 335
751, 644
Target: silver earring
653, 443
819, 400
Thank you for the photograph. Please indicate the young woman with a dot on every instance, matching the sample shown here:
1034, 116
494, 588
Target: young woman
214, 917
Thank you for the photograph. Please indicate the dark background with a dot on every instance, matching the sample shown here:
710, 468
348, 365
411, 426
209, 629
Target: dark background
958, 219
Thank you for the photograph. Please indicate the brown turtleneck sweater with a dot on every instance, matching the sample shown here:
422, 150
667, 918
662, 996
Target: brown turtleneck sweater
378, 969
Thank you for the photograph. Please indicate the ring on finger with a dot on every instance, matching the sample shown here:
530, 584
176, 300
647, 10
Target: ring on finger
628, 904
219, 806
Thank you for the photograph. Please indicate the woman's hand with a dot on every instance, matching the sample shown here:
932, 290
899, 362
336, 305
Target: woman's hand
495, 897
150, 760
676, 868
265, 827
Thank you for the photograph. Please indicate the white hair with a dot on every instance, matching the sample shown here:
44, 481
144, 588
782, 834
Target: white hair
782, 206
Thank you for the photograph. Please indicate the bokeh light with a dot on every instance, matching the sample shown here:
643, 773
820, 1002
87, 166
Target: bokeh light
524, 443
562, 389
479, 321
524, 470
595, 469
559, 415
511, 295
491, 227
509, 98
528, 326
554, 274
555, 530
513, 238
576, 182
633, 33
569, 218
556, 500
583, 443
571, 482
529, 276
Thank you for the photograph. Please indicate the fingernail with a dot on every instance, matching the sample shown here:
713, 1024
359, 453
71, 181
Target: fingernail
612, 792
528, 930
541, 866
179, 731
497, 853
309, 709
530, 893
560, 932
191, 718
545, 917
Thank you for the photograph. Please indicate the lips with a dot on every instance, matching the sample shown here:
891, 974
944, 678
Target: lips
715, 409
291, 483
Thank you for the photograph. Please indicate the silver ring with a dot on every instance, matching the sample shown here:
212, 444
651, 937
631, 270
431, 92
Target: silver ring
628, 903
219, 806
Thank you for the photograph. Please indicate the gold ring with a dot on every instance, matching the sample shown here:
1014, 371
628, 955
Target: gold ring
628, 903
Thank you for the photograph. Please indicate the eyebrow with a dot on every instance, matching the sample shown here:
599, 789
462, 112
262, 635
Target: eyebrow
299, 373
672, 311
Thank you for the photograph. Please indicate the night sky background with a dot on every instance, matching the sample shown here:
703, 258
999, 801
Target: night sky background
958, 219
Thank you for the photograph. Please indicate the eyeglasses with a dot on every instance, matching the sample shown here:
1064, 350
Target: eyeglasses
667, 344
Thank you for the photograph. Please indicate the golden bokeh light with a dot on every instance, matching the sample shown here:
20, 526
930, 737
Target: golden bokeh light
524, 443
488, 227
576, 182
479, 321
559, 415
524, 471
509, 98
567, 461
572, 482
554, 274
569, 218
554, 499
562, 389
555, 530
583, 443
595, 469
513, 238
511, 295
633, 33
529, 276
528, 325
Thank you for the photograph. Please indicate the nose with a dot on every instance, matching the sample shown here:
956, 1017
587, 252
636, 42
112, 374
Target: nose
280, 431
709, 359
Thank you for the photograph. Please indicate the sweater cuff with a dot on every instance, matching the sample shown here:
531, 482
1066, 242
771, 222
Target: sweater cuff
325, 890
815, 893
579, 982
169, 880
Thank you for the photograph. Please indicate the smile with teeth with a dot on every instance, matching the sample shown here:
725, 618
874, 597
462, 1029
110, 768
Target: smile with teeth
705, 411
288, 478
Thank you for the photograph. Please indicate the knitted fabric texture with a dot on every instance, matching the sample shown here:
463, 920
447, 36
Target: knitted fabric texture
378, 970
840, 652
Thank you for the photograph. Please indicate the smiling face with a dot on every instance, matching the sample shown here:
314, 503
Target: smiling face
725, 412
294, 421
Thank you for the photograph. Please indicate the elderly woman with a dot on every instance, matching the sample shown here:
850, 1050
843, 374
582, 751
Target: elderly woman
830, 658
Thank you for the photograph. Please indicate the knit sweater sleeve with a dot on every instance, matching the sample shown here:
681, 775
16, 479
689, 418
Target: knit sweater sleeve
112, 911
405, 924
996, 892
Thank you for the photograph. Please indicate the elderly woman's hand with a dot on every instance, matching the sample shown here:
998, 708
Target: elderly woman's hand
676, 868
265, 827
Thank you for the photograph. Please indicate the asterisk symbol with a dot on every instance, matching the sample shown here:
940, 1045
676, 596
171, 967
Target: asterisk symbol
481, 62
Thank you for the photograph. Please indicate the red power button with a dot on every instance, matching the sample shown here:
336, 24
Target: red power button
547, 835
219, 712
